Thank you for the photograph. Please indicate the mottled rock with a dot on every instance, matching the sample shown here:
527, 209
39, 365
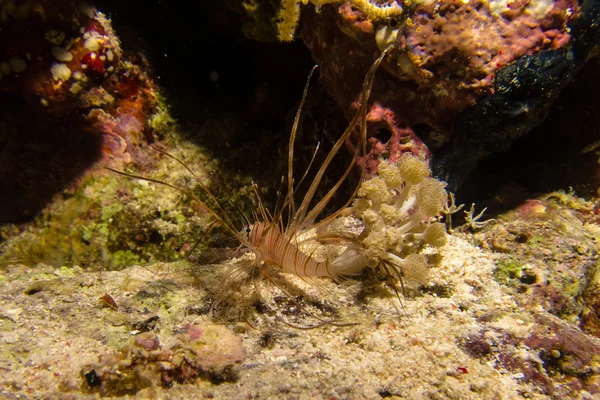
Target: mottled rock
204, 351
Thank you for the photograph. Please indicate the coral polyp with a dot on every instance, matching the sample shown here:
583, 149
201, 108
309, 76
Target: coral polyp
398, 211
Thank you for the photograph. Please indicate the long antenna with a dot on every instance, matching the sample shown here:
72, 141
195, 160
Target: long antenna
290, 195
199, 182
303, 217
246, 220
187, 192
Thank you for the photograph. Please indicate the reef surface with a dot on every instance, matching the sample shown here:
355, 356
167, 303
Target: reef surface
485, 325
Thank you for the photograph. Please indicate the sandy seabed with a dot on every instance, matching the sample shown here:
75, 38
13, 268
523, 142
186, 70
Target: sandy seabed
54, 325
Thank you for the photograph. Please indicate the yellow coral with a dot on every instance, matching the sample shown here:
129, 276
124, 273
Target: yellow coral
361, 205
288, 19
376, 11
373, 220
390, 173
432, 197
376, 244
376, 190
434, 235
413, 169
389, 213
289, 13
319, 3
414, 268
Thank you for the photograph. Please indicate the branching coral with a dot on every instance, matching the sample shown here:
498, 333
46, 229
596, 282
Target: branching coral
288, 20
290, 13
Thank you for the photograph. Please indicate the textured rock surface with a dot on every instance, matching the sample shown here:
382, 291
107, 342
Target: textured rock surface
203, 351
551, 256
447, 58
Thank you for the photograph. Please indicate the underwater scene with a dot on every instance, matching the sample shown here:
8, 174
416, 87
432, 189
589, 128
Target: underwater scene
300, 199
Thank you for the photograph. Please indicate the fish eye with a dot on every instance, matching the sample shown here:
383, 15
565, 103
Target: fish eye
393, 22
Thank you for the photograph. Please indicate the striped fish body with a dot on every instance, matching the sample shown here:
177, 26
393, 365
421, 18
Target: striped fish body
278, 250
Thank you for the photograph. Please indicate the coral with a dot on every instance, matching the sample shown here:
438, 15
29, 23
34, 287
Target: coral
388, 137
98, 106
462, 46
126, 111
55, 53
413, 197
204, 351
397, 208
52, 172
288, 19
103, 220
446, 58
66, 57
289, 13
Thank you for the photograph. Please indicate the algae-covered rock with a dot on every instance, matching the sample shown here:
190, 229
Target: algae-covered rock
204, 351
111, 221
551, 256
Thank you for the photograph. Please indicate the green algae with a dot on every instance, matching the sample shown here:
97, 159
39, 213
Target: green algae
123, 258
535, 241
68, 272
507, 270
